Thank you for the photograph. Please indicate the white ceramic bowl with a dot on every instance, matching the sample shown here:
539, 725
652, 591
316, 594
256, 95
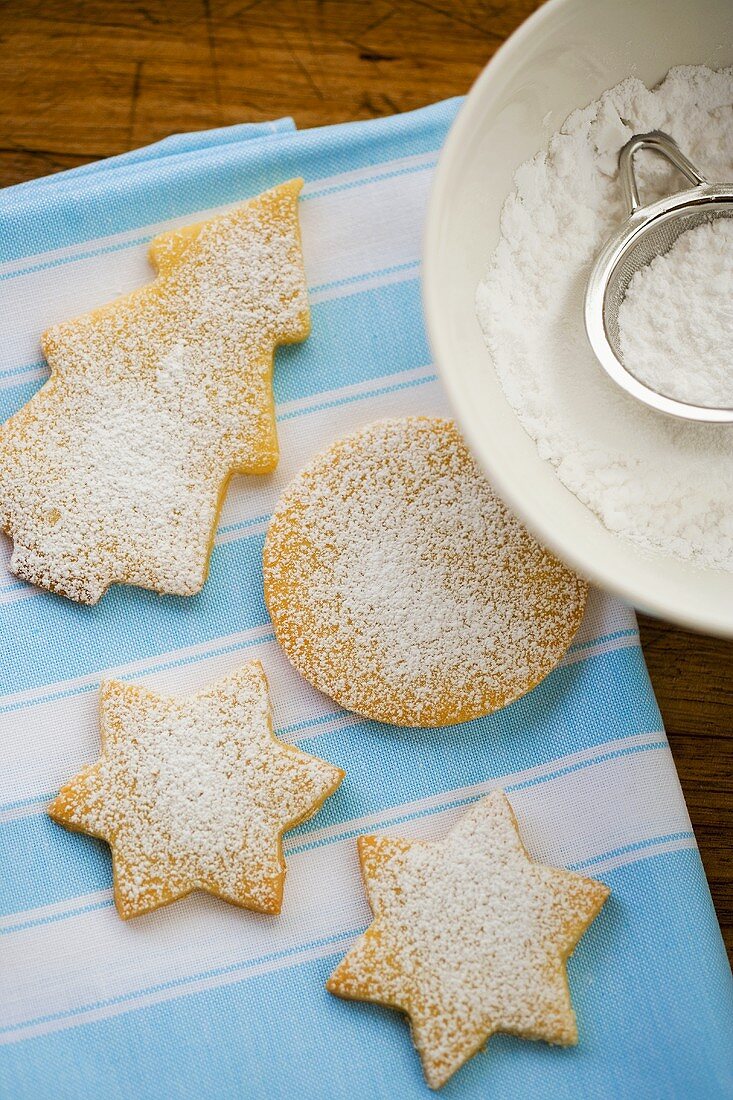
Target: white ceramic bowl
563, 57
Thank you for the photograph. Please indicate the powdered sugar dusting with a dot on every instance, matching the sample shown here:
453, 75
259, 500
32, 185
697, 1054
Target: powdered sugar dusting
114, 471
469, 938
663, 484
399, 584
193, 793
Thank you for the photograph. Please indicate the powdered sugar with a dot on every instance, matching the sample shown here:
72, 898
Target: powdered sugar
676, 321
470, 937
114, 470
665, 485
399, 584
193, 793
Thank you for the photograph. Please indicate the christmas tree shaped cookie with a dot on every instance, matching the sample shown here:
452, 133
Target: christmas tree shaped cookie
115, 470
194, 793
469, 938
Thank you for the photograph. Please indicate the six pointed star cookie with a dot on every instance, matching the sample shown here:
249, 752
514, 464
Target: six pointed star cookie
194, 793
115, 470
469, 937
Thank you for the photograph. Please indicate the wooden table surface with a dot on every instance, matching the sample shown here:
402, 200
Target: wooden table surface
86, 79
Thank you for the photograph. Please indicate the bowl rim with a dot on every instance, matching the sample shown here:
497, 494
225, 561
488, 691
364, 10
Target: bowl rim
713, 621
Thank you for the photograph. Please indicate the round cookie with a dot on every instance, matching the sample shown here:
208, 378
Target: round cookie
400, 585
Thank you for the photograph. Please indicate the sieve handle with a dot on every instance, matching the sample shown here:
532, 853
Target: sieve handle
658, 142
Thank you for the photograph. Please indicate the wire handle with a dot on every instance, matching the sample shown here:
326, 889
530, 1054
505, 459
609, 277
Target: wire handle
658, 142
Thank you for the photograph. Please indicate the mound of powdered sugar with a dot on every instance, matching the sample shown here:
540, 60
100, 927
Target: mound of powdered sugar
662, 483
676, 321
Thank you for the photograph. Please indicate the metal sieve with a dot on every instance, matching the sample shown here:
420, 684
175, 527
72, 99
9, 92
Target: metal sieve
649, 231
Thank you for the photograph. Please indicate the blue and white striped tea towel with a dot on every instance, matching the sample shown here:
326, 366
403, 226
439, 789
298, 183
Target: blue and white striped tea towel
202, 999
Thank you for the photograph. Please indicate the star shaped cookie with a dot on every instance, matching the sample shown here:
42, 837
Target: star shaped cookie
469, 938
194, 793
114, 472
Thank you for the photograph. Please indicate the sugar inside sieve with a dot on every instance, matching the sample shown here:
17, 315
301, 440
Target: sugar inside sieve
648, 232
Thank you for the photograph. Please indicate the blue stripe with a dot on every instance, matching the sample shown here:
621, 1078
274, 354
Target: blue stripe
363, 395
243, 524
637, 987
93, 205
408, 170
580, 765
631, 632
13, 398
54, 918
12, 586
39, 364
32, 800
52, 865
61, 261
352, 280
174, 662
627, 849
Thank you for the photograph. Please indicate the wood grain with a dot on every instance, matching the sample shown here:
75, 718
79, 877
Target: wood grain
87, 79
